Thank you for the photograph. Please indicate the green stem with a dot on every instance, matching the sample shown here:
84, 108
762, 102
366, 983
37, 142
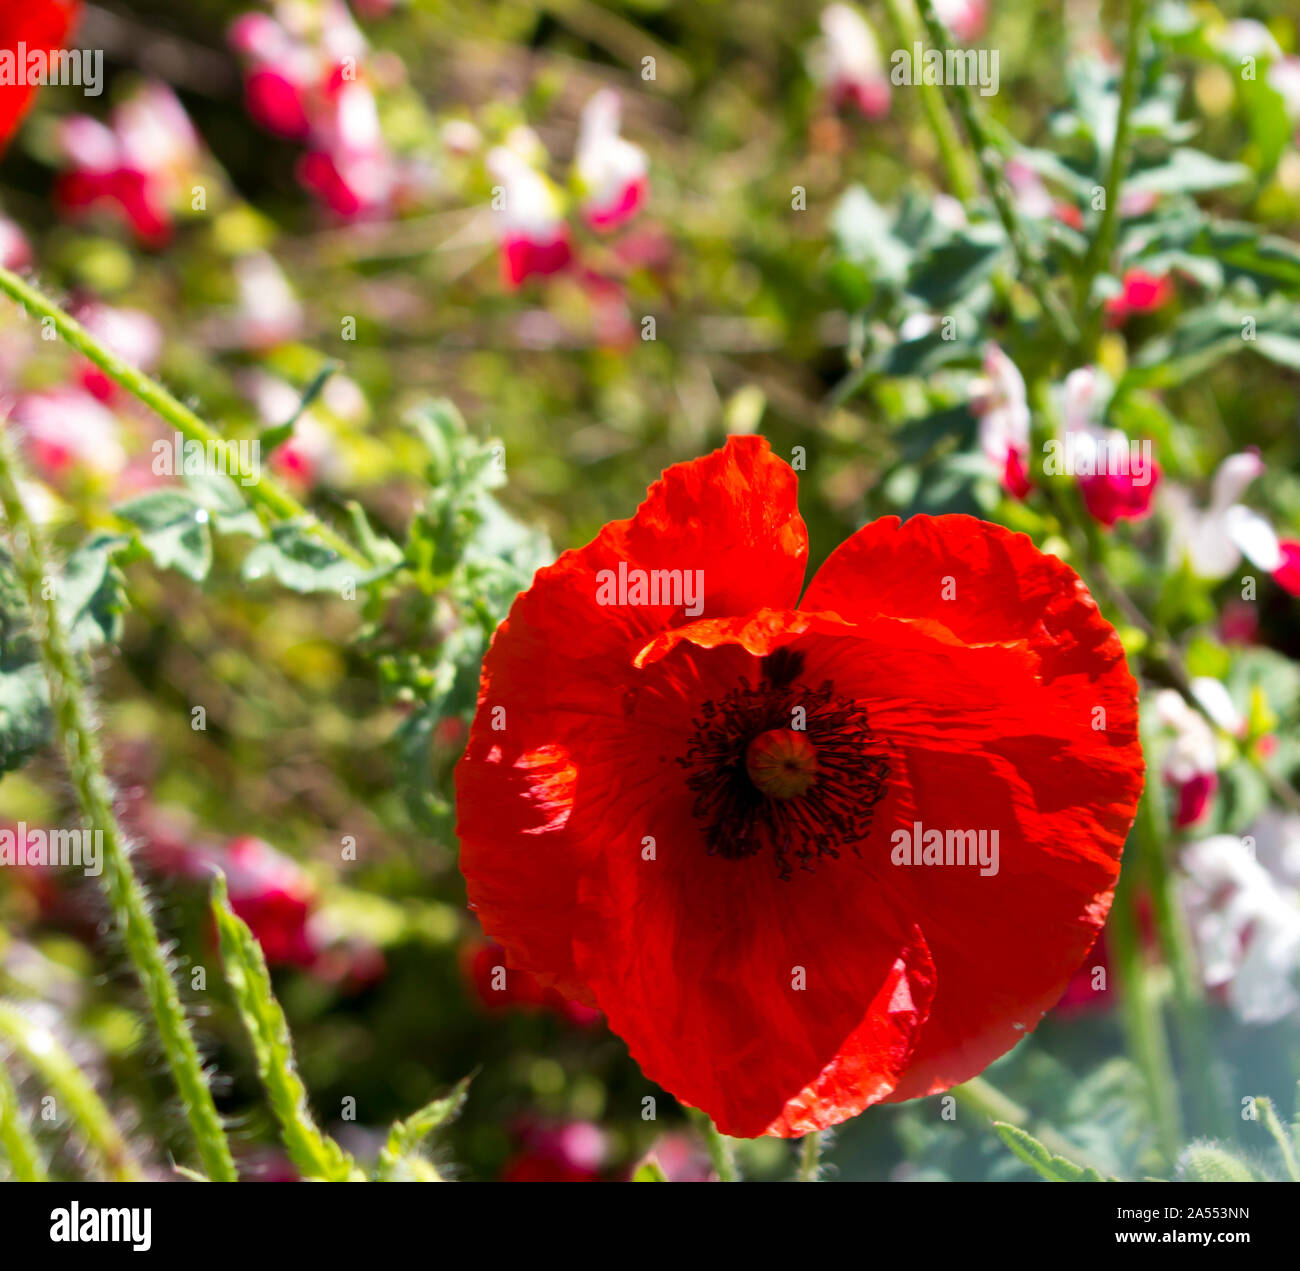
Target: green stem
75, 730
262, 491
71, 1088
1140, 1015
719, 1146
15, 1138
1030, 266
1103, 243
961, 181
988, 1101
810, 1157
1190, 1017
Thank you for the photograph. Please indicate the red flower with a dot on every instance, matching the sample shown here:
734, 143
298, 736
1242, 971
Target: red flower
40, 25
691, 813
1287, 574
572, 1152
1143, 293
1119, 496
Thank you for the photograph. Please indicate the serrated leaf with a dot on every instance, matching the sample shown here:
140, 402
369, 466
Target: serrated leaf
24, 714
89, 597
405, 1137
299, 560
1210, 1163
1187, 171
315, 1154
1056, 1169
173, 527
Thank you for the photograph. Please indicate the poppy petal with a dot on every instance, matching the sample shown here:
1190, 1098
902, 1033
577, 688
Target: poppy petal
1030, 730
558, 669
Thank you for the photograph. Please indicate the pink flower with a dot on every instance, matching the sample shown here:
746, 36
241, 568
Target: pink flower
964, 18
304, 82
1142, 293
1002, 407
1191, 760
611, 171
572, 1152
64, 430
348, 166
847, 62
139, 167
682, 1158
270, 892
1117, 477
131, 333
1212, 541
531, 228
310, 455
15, 250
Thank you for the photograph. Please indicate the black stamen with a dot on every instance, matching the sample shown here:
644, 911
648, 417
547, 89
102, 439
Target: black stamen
836, 809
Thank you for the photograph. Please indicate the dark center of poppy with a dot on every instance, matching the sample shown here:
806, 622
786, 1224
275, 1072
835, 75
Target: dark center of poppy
784, 767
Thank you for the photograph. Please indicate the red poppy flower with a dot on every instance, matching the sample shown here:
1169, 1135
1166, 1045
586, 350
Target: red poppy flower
688, 812
38, 26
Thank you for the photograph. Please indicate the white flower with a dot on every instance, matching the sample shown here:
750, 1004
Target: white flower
1213, 540
1002, 405
530, 206
611, 170
846, 60
1246, 928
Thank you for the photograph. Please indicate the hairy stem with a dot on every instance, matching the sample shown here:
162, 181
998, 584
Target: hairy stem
15, 1138
75, 731
75, 1098
720, 1150
262, 491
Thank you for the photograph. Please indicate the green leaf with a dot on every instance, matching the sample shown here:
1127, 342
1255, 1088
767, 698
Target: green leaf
399, 1158
24, 714
299, 560
173, 527
1206, 335
315, 1154
955, 267
89, 599
863, 234
1187, 171
1056, 1169
650, 1171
